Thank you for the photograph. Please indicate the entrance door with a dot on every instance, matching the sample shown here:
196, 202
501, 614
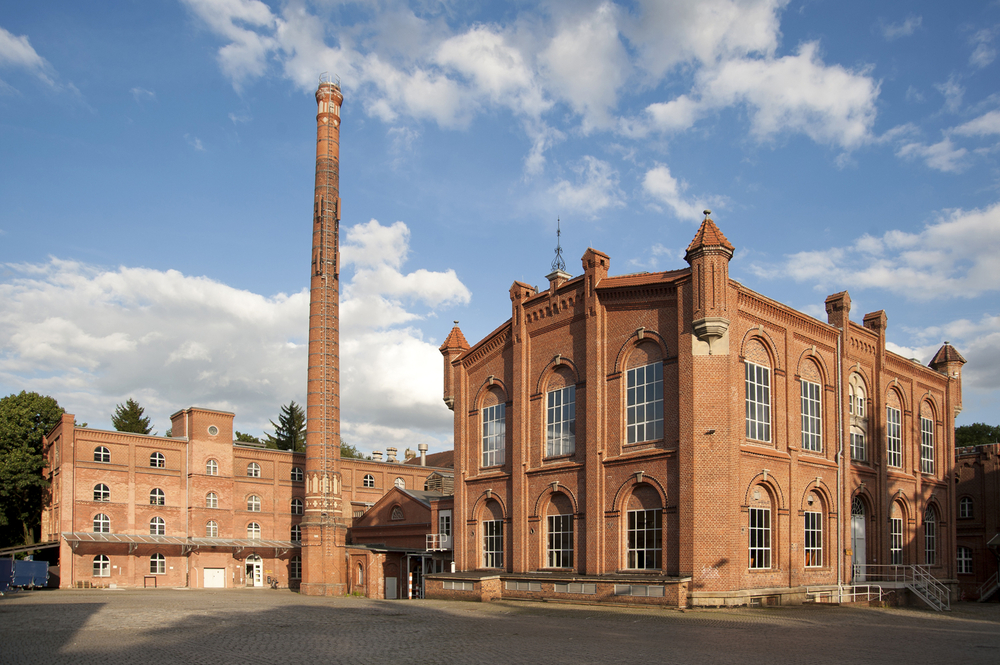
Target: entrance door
255, 571
390, 588
215, 578
858, 541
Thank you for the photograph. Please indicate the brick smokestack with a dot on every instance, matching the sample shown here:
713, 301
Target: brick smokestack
323, 525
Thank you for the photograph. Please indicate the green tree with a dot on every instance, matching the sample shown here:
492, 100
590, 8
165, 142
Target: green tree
350, 452
128, 418
24, 420
290, 430
247, 438
976, 434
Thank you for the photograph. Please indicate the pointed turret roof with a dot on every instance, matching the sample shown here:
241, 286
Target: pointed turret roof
947, 354
709, 235
455, 340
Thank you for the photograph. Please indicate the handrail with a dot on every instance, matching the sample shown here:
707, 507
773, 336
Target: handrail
916, 577
989, 585
852, 596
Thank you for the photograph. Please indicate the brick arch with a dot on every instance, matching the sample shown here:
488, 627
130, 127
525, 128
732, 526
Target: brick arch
480, 504
552, 367
932, 502
541, 501
758, 333
894, 387
858, 368
862, 492
808, 355
625, 490
636, 338
928, 399
906, 511
771, 485
484, 389
820, 488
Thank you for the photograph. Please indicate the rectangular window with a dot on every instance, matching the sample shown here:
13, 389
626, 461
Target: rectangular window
893, 437
811, 420
493, 544
645, 539
927, 445
560, 541
896, 541
295, 568
560, 419
965, 560
859, 451
814, 539
760, 537
645, 403
494, 433
758, 399
930, 542
444, 523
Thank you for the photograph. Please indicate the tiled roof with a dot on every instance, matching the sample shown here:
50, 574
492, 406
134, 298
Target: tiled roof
445, 460
709, 235
455, 340
642, 278
947, 354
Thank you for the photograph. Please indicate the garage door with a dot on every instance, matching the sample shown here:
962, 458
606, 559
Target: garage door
215, 578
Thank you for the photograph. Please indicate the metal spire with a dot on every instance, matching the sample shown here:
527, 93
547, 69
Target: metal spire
558, 263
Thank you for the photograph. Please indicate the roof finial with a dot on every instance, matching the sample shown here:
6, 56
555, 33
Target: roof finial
707, 213
558, 263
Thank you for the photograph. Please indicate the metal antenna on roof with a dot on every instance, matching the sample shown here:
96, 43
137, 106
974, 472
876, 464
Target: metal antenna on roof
558, 263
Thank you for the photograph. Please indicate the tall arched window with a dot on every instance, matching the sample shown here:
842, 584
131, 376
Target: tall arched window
560, 414
157, 564
102, 454
157, 527
893, 430
930, 536
253, 470
494, 429
644, 529
157, 460
102, 523
759, 528
492, 528
644, 394
102, 493
559, 532
253, 503
102, 566
896, 535
212, 467
212, 529
811, 407
813, 531
253, 531
296, 506
157, 497
212, 500
926, 440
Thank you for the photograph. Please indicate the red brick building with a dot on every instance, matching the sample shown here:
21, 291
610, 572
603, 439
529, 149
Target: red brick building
193, 510
977, 470
678, 438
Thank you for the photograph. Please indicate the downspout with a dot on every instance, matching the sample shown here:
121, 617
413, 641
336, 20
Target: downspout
840, 475
187, 507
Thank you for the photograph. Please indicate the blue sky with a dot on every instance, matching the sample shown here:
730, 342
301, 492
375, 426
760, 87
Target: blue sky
156, 169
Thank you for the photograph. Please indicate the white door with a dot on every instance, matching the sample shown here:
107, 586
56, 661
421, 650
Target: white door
444, 528
390, 588
215, 578
255, 571
858, 543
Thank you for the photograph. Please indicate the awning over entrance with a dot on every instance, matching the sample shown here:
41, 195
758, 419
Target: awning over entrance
187, 544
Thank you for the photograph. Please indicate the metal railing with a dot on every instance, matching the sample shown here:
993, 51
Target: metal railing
987, 588
916, 578
438, 541
852, 594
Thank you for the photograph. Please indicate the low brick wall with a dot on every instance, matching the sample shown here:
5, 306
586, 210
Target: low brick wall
477, 587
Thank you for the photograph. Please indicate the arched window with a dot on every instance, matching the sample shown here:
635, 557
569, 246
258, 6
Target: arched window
893, 430
930, 536
360, 578
296, 474
296, 506
492, 527
369, 480
157, 527
157, 497
856, 394
644, 403
397, 513
102, 566
813, 531
965, 507
759, 528
212, 500
964, 561
926, 444
102, 493
295, 567
811, 407
896, 535
296, 533
400, 483
758, 402
212, 529
102, 523
102, 454
559, 532
253, 470
157, 460
253, 503
494, 429
212, 467
644, 529
253, 531
560, 414
157, 564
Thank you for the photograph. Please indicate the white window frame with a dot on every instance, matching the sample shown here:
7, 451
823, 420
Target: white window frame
964, 560
212, 467
102, 523
297, 474
812, 417
211, 500
253, 503
644, 403
297, 506
644, 539
494, 434
559, 541
894, 437
101, 493
560, 422
926, 445
930, 536
157, 497
102, 566
813, 545
368, 480
102, 454
492, 543
157, 460
759, 538
444, 523
157, 564
253, 531
212, 529
758, 402
859, 447
896, 541
157, 526
295, 568
253, 470
965, 508
400, 483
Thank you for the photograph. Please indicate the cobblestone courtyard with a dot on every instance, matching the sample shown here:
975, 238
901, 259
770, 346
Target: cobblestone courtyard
268, 626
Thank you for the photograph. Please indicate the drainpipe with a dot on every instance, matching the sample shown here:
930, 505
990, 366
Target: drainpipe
840, 475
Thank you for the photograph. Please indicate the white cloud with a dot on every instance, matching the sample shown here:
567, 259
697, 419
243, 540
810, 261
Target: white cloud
942, 156
596, 188
17, 53
194, 142
92, 337
953, 93
984, 53
984, 125
245, 56
956, 256
141, 95
662, 186
904, 28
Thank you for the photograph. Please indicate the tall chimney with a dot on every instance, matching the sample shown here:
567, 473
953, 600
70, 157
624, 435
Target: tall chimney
422, 447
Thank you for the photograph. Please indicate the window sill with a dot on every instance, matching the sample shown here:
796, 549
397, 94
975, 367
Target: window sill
559, 458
